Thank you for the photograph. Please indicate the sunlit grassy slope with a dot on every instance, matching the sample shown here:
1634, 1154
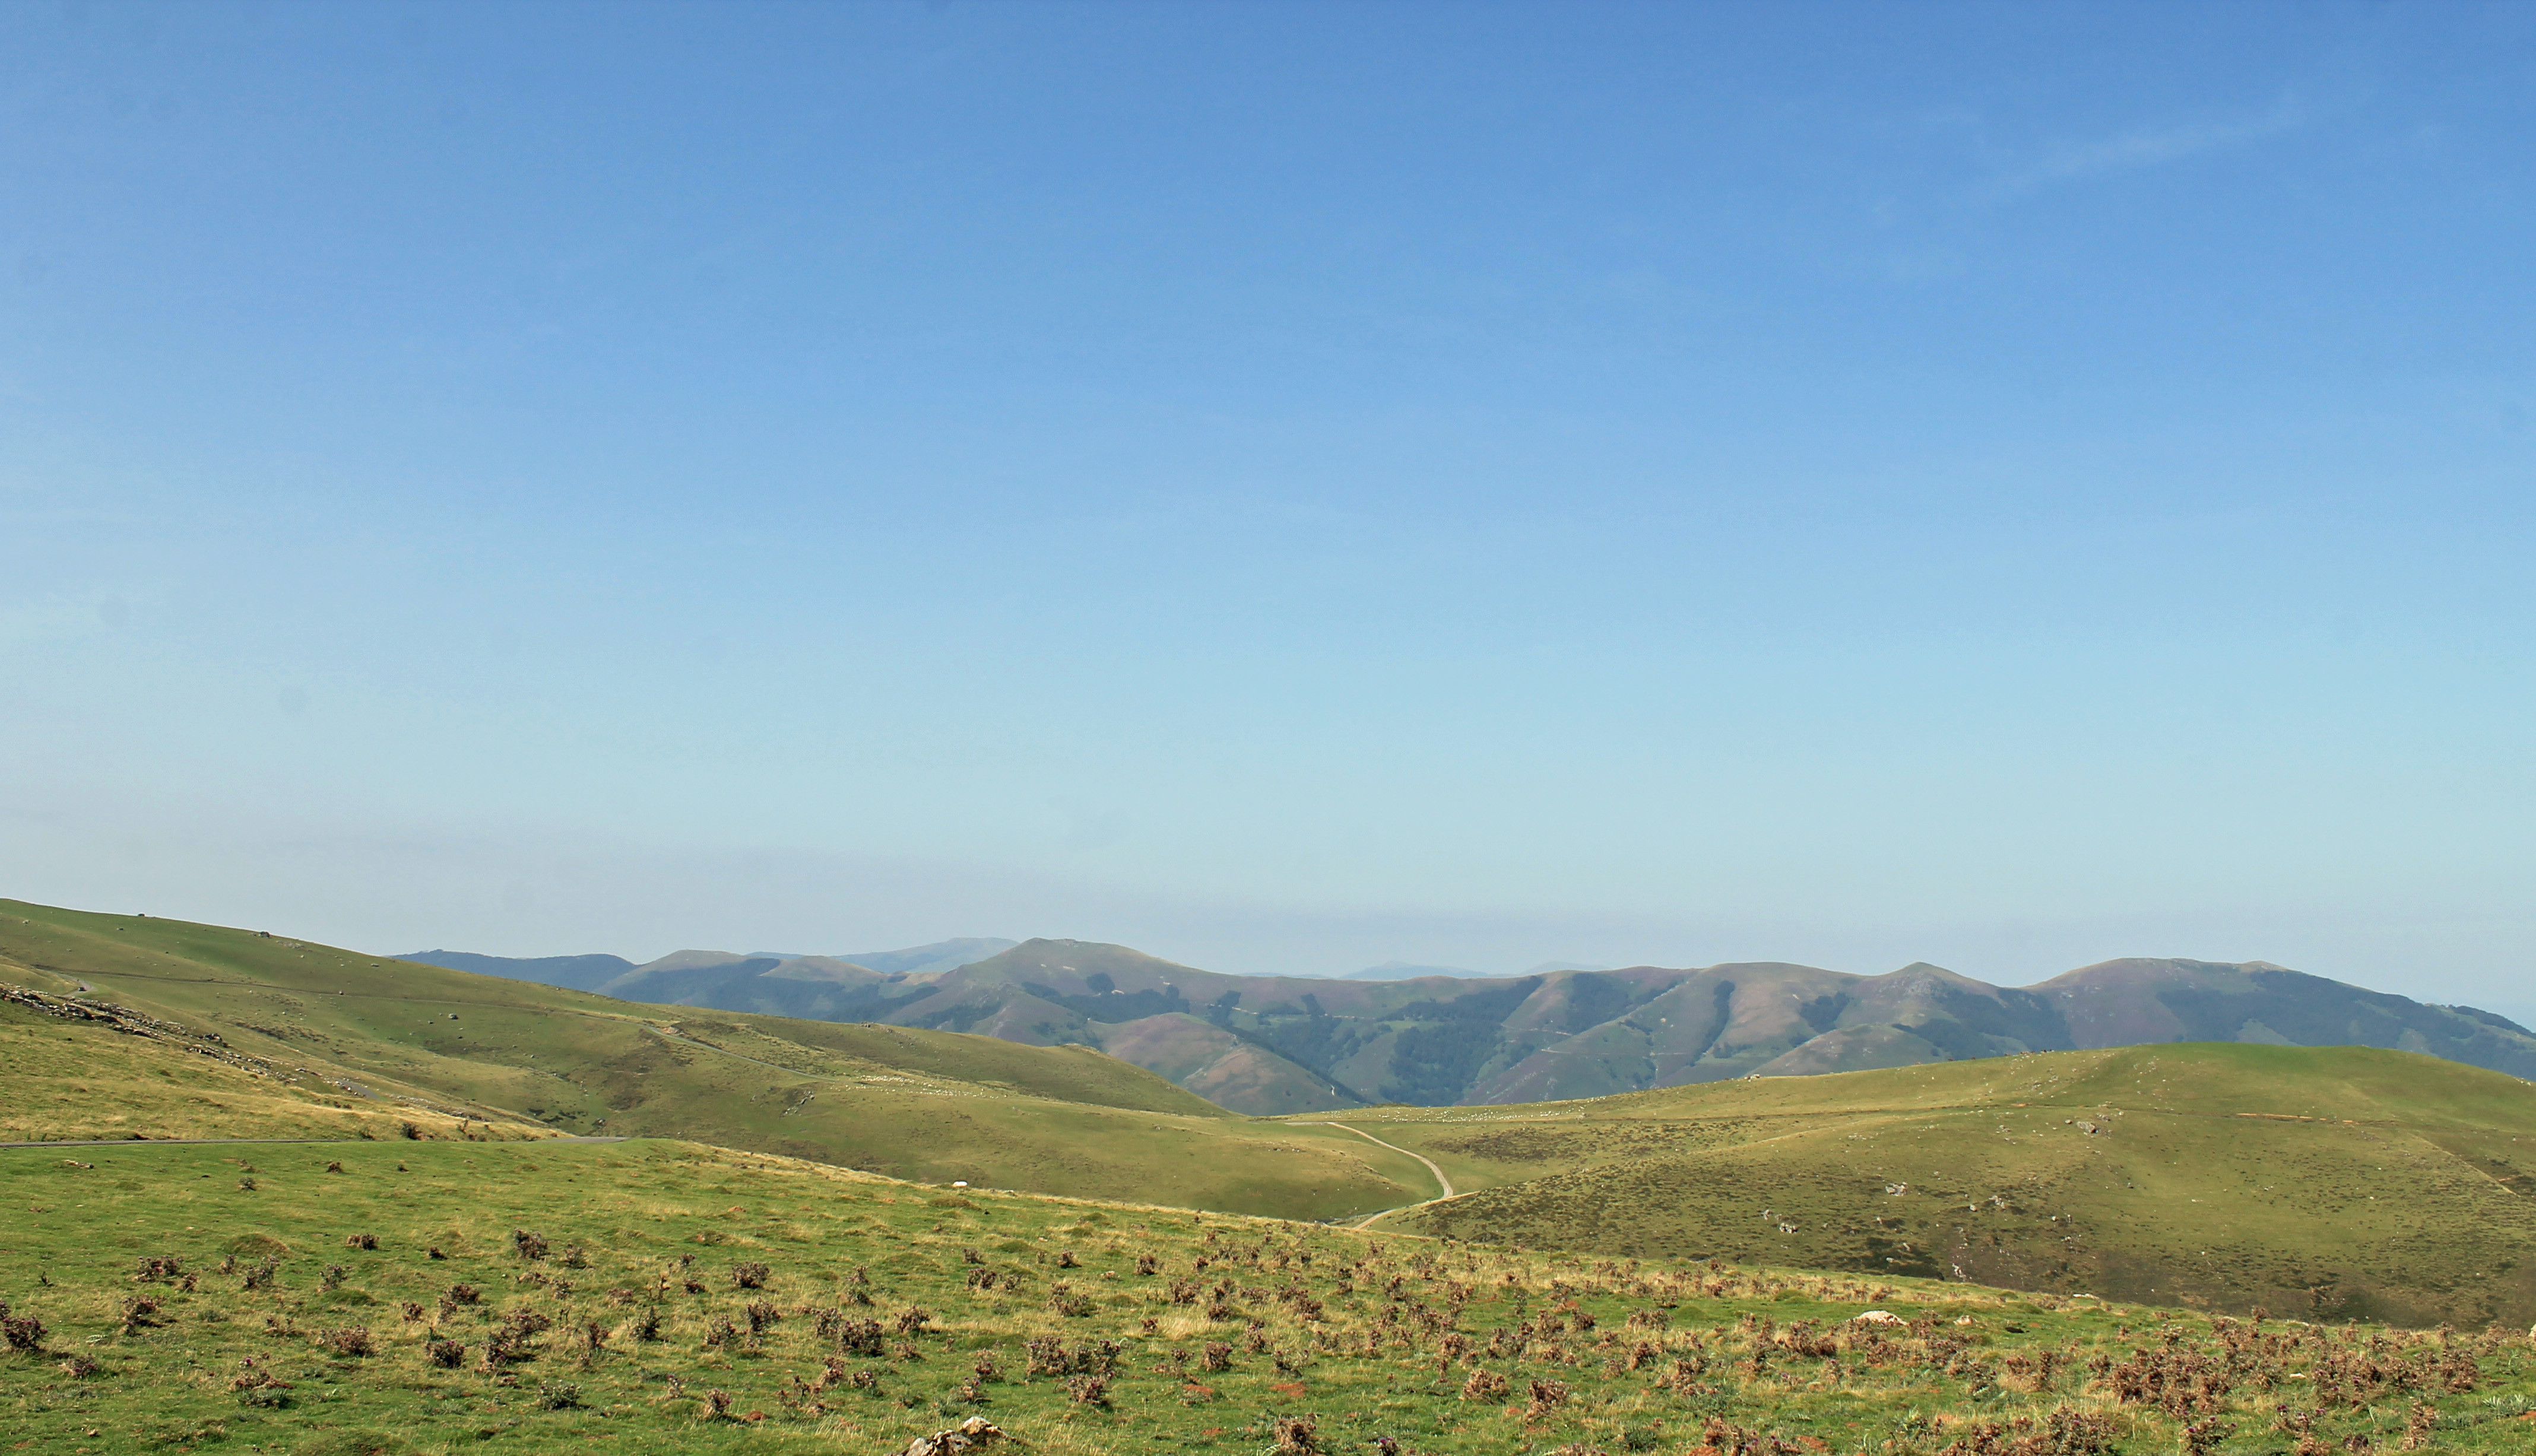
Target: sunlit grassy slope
2309, 1180
884, 1312
2323, 1182
365, 1044
75, 1081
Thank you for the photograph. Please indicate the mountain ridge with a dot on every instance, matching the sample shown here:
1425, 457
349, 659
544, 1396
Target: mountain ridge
1277, 1045
768, 982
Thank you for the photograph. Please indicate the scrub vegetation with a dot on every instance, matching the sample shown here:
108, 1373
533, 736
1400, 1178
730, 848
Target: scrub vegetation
446, 1296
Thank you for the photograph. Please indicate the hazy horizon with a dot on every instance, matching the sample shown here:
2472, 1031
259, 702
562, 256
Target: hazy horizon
1406, 971
1281, 487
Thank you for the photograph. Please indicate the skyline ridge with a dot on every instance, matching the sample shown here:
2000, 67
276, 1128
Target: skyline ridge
1272, 1044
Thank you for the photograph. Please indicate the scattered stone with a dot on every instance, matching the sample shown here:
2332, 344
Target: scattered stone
971, 1434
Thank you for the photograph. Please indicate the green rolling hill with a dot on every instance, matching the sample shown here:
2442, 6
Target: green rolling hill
2310, 1181
2319, 1181
313, 1037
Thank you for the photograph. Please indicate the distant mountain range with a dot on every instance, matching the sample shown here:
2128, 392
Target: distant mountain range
1404, 971
572, 973
1267, 1045
817, 987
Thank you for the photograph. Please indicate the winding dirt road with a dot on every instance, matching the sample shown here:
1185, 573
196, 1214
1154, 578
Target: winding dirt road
1443, 1182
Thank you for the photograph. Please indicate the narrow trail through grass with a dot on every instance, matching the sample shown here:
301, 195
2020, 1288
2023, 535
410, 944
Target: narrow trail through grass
1444, 1184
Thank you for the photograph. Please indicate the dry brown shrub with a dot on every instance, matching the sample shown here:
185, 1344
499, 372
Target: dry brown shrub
1297, 1436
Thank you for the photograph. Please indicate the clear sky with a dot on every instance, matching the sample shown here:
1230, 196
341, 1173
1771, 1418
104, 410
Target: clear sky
1286, 487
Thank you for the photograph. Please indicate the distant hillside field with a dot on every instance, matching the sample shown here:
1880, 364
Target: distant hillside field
313, 1037
2316, 1182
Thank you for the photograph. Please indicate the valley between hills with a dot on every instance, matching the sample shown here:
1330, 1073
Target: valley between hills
2024, 1214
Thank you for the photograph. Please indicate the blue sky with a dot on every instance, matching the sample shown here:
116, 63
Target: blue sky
1286, 487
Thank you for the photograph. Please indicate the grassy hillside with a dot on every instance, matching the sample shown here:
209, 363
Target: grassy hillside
2125, 1002
84, 1080
572, 973
312, 1030
2342, 1181
426, 1299
2316, 1181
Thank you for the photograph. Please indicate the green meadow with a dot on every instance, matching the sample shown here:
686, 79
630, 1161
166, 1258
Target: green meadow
446, 1296
2324, 1182
522, 1218
325, 1042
